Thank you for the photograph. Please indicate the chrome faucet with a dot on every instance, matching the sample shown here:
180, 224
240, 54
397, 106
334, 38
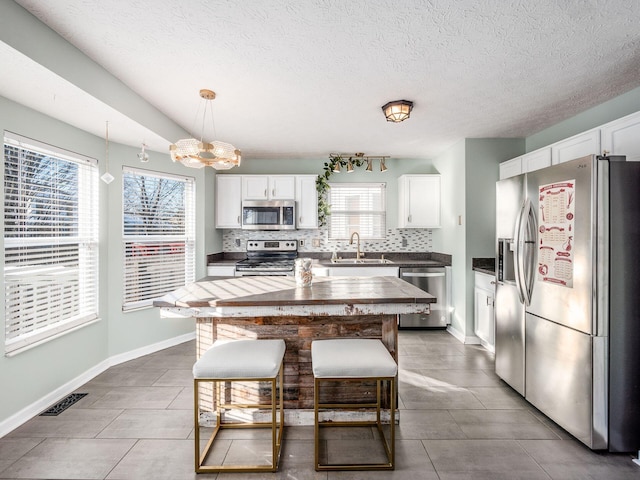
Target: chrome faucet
358, 253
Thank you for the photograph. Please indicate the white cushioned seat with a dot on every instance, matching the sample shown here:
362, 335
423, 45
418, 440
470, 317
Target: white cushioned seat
352, 358
241, 359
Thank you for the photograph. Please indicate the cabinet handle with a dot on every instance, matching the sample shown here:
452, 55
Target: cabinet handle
409, 218
238, 219
273, 192
265, 192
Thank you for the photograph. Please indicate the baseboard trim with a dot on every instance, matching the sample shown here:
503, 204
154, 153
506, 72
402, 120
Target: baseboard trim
30, 411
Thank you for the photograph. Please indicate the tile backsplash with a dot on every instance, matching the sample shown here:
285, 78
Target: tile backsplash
396, 240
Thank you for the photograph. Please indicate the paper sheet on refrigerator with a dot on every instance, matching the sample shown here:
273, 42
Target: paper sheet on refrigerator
556, 215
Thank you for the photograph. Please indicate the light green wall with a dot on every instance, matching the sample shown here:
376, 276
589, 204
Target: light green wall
620, 106
61, 360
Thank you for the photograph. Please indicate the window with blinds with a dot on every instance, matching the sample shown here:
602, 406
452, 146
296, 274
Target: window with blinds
50, 241
357, 207
159, 235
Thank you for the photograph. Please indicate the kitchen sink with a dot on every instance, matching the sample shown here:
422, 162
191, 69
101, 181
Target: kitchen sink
353, 261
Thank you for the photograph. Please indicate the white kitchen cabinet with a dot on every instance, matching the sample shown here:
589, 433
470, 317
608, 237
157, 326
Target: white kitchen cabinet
511, 168
228, 201
536, 160
484, 322
622, 137
419, 201
586, 143
356, 271
306, 201
268, 187
227, 270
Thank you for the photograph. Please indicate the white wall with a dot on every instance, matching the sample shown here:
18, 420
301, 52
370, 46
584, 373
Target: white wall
57, 363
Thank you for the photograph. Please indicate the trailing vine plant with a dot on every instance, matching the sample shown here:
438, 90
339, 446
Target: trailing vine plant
322, 183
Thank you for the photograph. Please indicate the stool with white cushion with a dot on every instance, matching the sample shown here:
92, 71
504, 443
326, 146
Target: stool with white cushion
354, 359
240, 361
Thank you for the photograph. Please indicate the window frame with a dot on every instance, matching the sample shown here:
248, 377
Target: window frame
52, 294
155, 247
371, 230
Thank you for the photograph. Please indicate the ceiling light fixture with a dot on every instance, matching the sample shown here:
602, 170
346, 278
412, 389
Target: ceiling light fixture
350, 161
197, 154
398, 110
369, 168
383, 167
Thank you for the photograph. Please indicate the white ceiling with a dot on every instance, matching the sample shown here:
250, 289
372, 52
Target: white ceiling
302, 78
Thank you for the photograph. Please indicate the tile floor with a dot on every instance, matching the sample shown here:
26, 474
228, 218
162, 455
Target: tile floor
457, 421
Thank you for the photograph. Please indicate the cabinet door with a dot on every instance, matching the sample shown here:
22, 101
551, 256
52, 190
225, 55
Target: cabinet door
255, 187
536, 160
484, 322
622, 137
511, 168
228, 201
282, 187
419, 202
587, 143
221, 270
306, 201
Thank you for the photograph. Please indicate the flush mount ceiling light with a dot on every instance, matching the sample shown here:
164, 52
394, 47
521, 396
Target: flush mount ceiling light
398, 110
198, 153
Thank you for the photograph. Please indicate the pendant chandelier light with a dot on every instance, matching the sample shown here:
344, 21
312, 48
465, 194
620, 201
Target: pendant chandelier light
198, 153
398, 110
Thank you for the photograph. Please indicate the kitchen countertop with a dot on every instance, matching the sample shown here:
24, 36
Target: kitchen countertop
484, 265
396, 259
279, 295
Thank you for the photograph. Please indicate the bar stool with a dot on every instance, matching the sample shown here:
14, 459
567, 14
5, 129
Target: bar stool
354, 360
240, 361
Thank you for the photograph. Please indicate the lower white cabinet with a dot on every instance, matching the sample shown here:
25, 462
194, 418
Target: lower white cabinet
228, 270
484, 322
368, 271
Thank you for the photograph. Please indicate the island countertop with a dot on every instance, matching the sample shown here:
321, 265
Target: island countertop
279, 295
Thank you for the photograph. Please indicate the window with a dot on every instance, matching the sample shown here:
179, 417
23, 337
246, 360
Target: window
159, 235
50, 241
357, 207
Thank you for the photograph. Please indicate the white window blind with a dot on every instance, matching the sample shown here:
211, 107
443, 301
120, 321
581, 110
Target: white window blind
357, 207
159, 235
50, 241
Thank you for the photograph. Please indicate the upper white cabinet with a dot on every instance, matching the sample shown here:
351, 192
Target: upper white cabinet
622, 137
587, 143
419, 201
228, 201
536, 160
306, 201
268, 187
511, 168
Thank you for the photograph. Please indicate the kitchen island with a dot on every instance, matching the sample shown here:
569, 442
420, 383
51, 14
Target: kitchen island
274, 307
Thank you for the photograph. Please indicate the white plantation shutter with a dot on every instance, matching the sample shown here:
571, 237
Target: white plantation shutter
50, 241
159, 235
357, 207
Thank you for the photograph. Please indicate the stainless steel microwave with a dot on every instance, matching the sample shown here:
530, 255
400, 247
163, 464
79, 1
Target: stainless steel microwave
269, 215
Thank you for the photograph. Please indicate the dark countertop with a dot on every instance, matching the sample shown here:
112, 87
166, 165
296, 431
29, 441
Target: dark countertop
484, 265
281, 291
396, 259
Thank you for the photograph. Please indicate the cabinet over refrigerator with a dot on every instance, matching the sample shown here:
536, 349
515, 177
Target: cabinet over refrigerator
567, 299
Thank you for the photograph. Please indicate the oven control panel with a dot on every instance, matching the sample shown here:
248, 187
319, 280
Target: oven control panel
272, 245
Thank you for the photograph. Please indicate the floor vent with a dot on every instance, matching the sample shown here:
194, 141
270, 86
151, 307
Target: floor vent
62, 405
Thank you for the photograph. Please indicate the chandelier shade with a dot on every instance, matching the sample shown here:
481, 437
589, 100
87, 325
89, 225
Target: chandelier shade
195, 153
398, 110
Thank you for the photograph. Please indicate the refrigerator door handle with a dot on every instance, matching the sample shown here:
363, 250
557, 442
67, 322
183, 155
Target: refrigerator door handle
525, 252
518, 264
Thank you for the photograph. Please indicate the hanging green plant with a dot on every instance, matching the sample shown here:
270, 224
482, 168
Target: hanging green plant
335, 163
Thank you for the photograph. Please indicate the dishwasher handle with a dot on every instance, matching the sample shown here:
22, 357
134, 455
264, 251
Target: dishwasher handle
421, 274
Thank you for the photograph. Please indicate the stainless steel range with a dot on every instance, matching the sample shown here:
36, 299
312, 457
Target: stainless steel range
268, 257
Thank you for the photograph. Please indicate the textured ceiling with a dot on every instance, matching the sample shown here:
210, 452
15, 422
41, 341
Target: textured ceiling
308, 77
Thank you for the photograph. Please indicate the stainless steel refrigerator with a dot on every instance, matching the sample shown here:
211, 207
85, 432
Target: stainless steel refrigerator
567, 305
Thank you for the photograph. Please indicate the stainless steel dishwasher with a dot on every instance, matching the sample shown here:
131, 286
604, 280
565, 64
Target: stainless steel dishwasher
434, 280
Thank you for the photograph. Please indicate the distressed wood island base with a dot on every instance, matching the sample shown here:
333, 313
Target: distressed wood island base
273, 307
